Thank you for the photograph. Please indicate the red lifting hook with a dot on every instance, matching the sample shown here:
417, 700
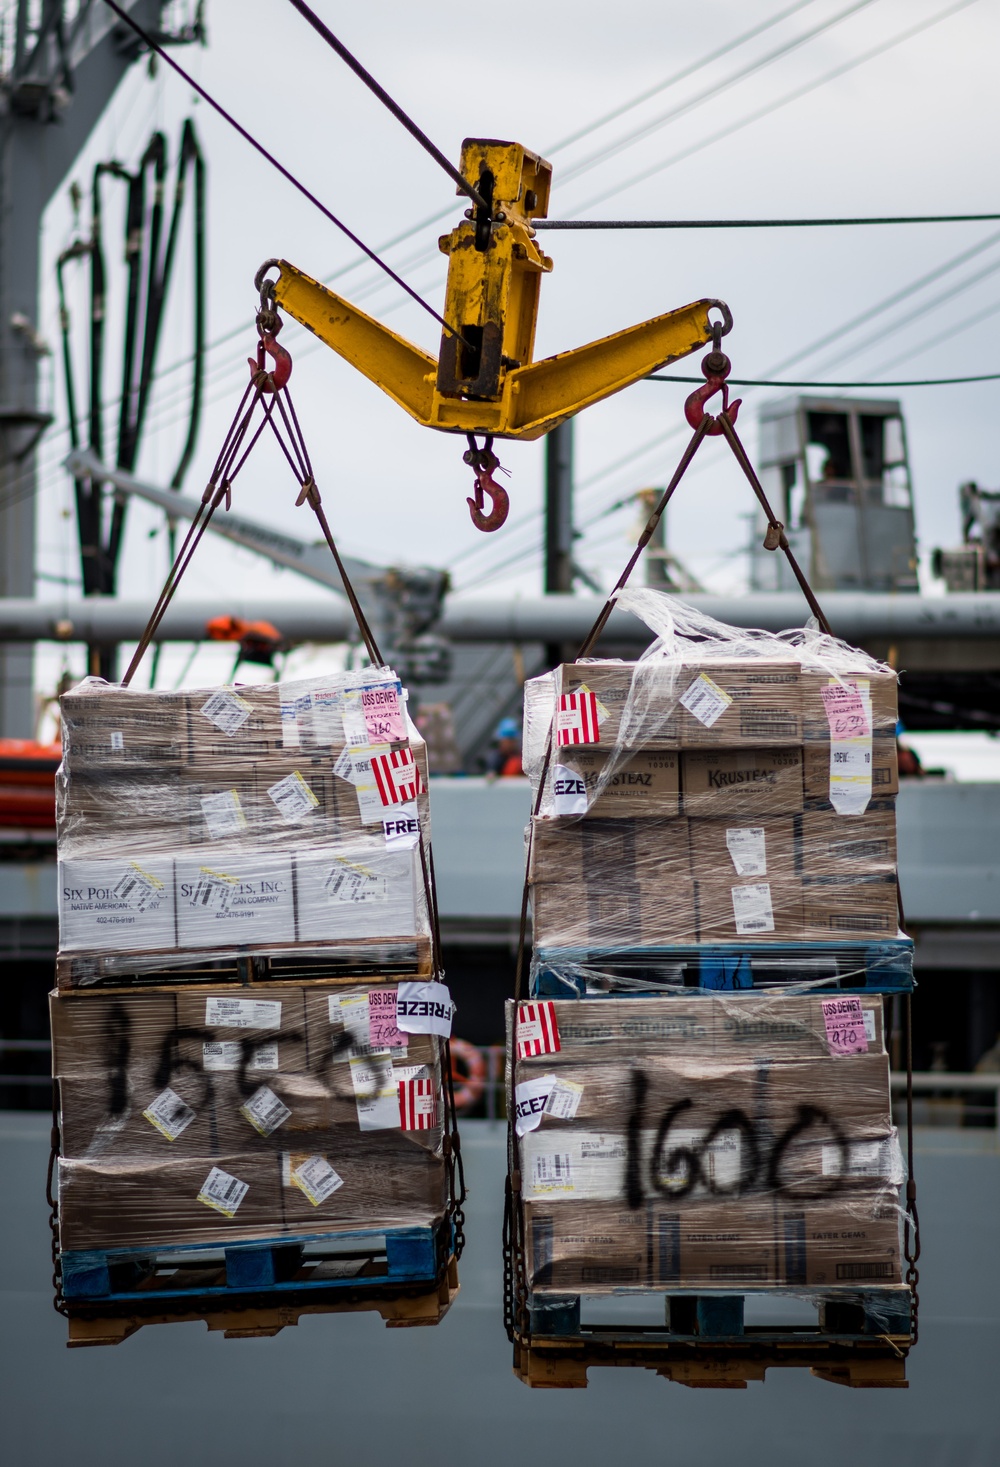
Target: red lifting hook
716, 367
483, 461
270, 381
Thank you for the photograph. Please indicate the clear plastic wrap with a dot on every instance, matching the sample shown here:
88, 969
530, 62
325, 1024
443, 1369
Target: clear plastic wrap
732, 1141
197, 1116
730, 787
239, 821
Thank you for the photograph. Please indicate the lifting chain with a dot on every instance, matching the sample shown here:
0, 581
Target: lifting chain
715, 367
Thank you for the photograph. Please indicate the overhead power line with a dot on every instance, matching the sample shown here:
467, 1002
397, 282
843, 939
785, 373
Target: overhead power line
759, 223
769, 382
387, 101
164, 55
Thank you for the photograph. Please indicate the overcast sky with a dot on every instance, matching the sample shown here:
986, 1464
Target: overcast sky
910, 130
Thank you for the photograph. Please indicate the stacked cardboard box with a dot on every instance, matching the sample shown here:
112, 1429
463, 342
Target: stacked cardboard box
710, 799
238, 821
203, 1115
706, 1142
730, 791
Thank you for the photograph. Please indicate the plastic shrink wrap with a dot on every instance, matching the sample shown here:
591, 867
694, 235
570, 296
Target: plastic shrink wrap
730, 787
737, 1141
238, 821
206, 1115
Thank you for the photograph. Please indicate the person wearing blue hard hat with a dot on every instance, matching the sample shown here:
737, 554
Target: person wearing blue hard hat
504, 759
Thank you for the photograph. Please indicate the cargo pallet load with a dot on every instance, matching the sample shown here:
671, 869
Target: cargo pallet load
704, 1172
249, 1034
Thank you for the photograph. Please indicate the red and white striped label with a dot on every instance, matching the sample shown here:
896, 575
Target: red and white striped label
537, 1031
417, 1105
576, 720
397, 777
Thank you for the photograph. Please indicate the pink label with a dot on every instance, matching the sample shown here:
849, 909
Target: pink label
383, 715
845, 712
845, 1026
382, 1030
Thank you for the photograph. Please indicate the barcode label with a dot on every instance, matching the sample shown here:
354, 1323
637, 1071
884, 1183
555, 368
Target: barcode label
223, 814
552, 1170
169, 1114
747, 850
213, 890
227, 711
564, 1100
223, 1192
316, 1178
705, 700
228, 1054
375, 1093
117, 741
752, 908
265, 1111
243, 1013
293, 797
350, 882
138, 889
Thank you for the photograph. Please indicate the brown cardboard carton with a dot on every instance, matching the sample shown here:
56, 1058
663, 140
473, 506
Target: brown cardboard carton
609, 850
241, 724
741, 702
628, 914
753, 909
852, 910
729, 850
106, 810
108, 727
849, 846
749, 783
853, 1242
655, 722
881, 687
644, 784
816, 771
586, 1247
389, 1180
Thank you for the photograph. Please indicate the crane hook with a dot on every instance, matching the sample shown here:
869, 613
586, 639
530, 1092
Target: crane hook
716, 367
259, 376
483, 461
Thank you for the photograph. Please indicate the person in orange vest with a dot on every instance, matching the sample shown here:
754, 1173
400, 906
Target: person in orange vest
504, 759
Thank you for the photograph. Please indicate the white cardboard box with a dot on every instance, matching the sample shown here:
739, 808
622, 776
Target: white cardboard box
238, 900
363, 893
118, 905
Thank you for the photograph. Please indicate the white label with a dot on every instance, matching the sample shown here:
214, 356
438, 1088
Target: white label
117, 741
869, 1017
295, 718
169, 1114
228, 1054
375, 1094
424, 1008
293, 797
530, 1099
552, 1172
265, 1111
865, 1159
402, 828
752, 908
243, 1013
227, 711
349, 881
564, 1100
223, 1192
316, 1178
569, 792
746, 847
138, 889
223, 814
705, 700
344, 766
327, 725
720, 1160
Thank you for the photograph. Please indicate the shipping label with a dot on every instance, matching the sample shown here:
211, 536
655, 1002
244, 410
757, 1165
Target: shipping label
227, 711
223, 814
169, 1114
845, 1026
705, 700
243, 1013
752, 908
223, 1192
265, 1111
293, 797
316, 1178
747, 850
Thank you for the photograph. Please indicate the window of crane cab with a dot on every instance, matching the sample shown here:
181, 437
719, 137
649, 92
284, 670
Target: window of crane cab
828, 454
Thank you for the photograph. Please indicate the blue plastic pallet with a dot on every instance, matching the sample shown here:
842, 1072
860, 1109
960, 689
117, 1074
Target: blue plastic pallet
274, 1267
835, 967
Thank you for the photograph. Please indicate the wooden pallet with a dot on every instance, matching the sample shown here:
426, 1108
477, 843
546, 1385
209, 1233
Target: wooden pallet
399, 1310
884, 966
406, 958
861, 1339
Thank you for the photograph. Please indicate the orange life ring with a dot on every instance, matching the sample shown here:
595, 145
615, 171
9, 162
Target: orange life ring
470, 1081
